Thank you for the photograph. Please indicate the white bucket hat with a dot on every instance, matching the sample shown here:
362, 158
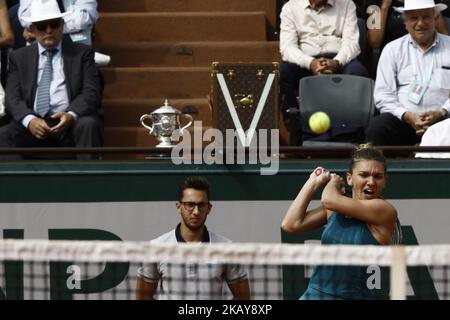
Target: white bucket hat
41, 10
420, 4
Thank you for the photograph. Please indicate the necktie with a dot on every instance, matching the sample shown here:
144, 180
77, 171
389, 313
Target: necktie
43, 94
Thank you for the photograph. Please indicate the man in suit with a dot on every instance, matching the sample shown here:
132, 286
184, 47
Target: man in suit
57, 107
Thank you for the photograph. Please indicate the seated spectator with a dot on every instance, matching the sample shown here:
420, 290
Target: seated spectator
54, 90
407, 92
78, 23
316, 37
391, 24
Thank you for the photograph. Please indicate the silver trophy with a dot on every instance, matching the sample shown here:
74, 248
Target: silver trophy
165, 121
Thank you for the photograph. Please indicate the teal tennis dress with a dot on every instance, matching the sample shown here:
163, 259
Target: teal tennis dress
341, 282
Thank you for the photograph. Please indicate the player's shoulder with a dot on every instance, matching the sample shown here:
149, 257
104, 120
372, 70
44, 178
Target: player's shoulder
166, 237
391, 209
386, 207
217, 238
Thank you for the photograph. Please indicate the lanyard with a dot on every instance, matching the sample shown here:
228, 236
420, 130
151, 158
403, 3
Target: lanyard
429, 73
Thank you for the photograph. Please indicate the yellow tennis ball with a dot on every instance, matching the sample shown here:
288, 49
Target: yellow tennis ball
319, 122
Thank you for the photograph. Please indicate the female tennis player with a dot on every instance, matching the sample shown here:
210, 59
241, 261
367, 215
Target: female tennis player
365, 218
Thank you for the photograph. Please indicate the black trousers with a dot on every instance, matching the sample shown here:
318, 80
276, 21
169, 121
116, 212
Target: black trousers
388, 130
86, 132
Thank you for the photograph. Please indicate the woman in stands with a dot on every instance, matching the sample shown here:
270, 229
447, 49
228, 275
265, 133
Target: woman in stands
365, 218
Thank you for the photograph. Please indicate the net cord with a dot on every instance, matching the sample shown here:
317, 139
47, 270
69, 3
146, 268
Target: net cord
241, 253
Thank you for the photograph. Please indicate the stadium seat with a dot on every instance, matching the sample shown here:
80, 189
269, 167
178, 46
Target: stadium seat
348, 101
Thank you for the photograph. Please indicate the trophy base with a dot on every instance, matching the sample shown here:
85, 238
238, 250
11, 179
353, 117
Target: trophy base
162, 156
165, 146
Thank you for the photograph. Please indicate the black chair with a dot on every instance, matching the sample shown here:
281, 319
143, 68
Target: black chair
348, 101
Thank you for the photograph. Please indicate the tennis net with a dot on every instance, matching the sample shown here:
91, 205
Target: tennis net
109, 270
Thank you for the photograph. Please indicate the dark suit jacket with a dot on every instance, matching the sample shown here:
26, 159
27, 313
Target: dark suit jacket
83, 80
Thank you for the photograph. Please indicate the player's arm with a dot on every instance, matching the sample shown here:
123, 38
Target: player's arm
297, 218
375, 211
145, 290
240, 289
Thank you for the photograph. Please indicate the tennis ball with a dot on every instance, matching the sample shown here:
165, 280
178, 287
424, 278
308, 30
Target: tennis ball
319, 122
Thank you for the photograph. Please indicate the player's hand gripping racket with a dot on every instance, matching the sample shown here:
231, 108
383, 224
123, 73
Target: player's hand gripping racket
319, 171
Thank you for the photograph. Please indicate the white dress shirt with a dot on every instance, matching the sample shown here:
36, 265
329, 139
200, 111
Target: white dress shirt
436, 135
395, 73
78, 23
306, 33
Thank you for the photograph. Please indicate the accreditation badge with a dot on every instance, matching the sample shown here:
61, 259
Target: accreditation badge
77, 36
416, 92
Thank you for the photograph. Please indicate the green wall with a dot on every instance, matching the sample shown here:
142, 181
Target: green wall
157, 180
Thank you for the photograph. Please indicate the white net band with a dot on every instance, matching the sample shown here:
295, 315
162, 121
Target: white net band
243, 253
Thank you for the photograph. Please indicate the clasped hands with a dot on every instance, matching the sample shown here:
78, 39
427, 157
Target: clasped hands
41, 130
422, 121
325, 66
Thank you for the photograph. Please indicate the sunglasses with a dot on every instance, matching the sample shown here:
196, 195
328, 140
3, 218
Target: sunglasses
42, 26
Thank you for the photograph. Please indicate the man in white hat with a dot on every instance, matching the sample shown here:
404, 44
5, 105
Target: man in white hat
54, 88
386, 24
81, 17
407, 92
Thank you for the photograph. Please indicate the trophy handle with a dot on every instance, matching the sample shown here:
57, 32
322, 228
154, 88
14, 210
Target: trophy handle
190, 119
146, 116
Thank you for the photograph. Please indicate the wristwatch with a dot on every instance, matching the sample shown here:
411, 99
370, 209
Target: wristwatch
444, 113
